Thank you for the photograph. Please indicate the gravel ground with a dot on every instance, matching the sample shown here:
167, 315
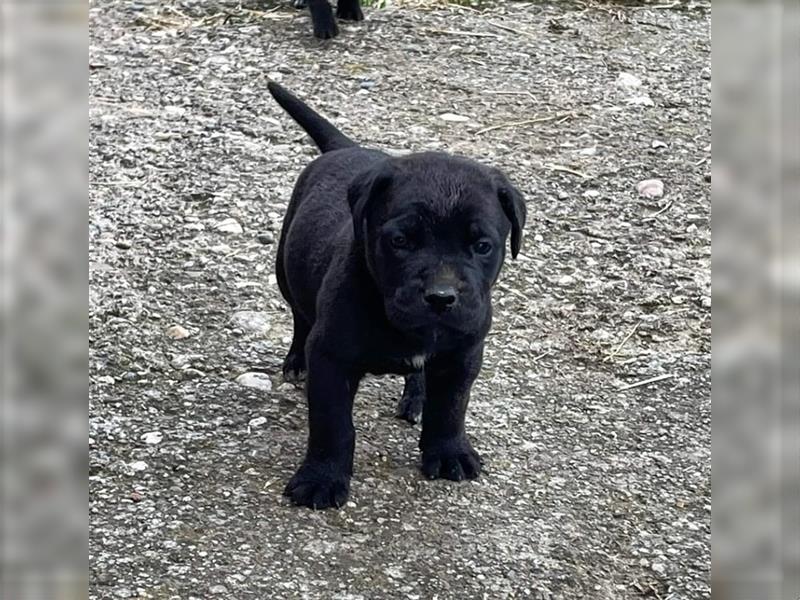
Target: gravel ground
595, 487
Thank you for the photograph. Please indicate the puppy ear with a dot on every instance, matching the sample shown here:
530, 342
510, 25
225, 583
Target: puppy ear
365, 188
514, 207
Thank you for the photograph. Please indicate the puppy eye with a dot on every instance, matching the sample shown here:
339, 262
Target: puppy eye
482, 247
399, 241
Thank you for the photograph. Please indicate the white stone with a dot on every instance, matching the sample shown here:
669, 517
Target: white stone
650, 188
229, 226
453, 118
643, 100
177, 332
152, 437
251, 321
628, 80
566, 280
259, 381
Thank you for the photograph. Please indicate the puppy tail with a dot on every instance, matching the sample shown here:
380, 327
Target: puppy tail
324, 134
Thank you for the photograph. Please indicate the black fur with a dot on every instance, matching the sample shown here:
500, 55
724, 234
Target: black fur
322, 15
387, 264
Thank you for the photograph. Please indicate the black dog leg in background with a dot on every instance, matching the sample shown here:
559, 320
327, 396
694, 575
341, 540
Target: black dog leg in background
446, 451
349, 10
322, 18
410, 406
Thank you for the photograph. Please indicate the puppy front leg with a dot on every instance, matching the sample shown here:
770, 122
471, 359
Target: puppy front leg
323, 480
446, 451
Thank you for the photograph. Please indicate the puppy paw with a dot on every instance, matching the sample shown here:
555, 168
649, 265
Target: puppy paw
294, 367
349, 12
318, 485
409, 408
325, 29
454, 460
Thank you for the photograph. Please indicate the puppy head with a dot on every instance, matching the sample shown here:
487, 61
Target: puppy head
433, 229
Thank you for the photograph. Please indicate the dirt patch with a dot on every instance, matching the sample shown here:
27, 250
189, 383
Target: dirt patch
596, 486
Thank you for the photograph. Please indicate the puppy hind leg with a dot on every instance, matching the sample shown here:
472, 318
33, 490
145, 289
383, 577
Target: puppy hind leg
322, 17
409, 408
349, 10
294, 365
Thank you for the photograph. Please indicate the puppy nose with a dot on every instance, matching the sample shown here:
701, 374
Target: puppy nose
441, 297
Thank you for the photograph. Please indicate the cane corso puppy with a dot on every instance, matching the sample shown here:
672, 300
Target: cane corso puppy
387, 264
322, 15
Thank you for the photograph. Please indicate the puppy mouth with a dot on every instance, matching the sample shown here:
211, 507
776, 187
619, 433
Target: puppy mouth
424, 322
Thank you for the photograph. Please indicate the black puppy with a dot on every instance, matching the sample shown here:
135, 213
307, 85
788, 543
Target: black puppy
322, 15
387, 264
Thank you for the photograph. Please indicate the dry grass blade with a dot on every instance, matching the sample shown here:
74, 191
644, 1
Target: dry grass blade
509, 93
655, 379
659, 213
523, 122
563, 169
511, 29
622, 343
480, 34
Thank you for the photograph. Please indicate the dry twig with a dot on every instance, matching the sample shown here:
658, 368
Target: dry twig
511, 29
464, 33
660, 212
525, 122
622, 343
647, 381
563, 169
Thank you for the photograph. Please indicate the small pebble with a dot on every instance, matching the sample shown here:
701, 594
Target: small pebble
182, 361
152, 437
177, 332
453, 118
251, 321
628, 80
122, 244
257, 422
259, 381
192, 374
266, 237
650, 188
566, 280
229, 226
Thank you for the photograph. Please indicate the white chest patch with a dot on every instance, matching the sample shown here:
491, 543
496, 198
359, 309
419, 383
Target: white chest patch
418, 361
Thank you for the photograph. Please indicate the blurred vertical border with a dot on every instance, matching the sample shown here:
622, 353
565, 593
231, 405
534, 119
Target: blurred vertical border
756, 297
43, 327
